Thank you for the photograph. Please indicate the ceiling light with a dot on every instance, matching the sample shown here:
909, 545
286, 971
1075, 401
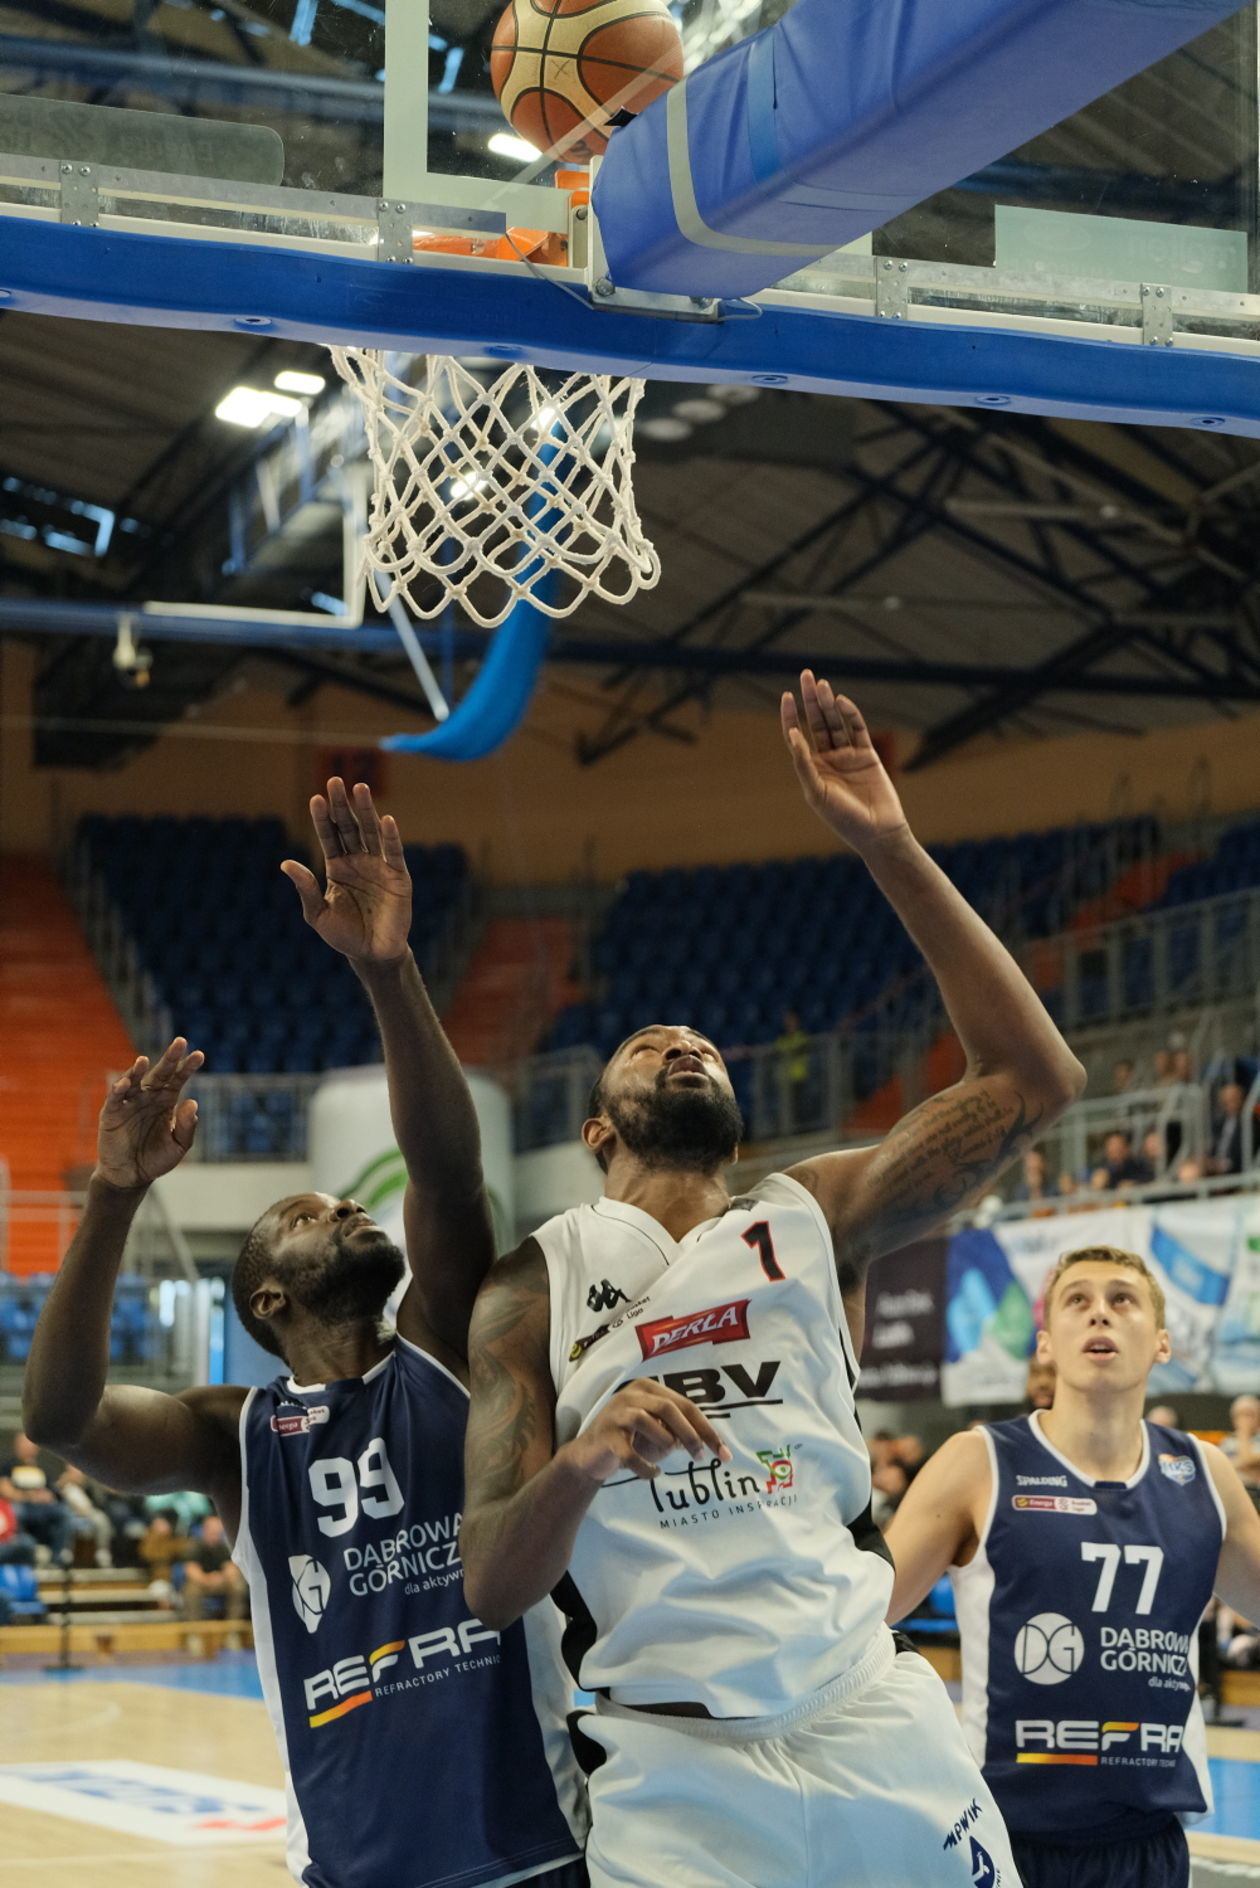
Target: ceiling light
699, 411
291, 382
664, 428
503, 144
255, 406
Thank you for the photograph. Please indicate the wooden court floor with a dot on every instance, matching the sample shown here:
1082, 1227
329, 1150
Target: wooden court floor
57, 1722
229, 1738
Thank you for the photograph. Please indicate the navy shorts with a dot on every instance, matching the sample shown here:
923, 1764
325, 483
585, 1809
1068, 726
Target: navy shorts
1158, 1861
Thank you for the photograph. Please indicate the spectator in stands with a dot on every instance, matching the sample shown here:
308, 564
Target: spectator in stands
85, 1516
211, 1573
1122, 1076
888, 1487
911, 1452
1120, 1166
1154, 1152
1190, 1170
1161, 1069
1034, 1187
159, 1550
1181, 1066
40, 1511
17, 1549
1165, 1415
1227, 1127
792, 1069
1242, 1445
1039, 1383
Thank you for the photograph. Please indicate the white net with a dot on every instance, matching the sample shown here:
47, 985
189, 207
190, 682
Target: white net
488, 494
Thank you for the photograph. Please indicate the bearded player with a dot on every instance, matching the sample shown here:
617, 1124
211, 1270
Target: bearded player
1084, 1544
663, 1431
422, 1747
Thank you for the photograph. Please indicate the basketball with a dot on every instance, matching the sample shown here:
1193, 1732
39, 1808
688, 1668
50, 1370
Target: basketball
557, 64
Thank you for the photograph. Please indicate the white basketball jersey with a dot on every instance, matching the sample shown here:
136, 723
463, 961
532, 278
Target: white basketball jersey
744, 1585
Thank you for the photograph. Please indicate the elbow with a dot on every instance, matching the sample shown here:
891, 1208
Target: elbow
1070, 1082
45, 1432
484, 1593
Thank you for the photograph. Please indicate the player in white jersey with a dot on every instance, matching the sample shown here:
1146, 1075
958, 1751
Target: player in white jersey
1084, 1544
663, 1431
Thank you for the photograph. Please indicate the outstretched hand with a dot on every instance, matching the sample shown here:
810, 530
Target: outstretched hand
145, 1129
364, 910
842, 777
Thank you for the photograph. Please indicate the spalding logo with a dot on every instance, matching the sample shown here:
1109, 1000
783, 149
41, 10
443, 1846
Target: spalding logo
720, 1324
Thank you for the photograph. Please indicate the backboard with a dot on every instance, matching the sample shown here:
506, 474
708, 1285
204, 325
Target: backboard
290, 151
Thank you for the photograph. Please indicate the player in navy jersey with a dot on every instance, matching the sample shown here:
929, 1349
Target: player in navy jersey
1084, 1544
663, 1430
421, 1747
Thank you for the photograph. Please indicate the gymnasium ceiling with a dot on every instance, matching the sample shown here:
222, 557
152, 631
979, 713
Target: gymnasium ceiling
968, 573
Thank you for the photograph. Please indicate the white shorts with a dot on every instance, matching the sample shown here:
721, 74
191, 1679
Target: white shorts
869, 1790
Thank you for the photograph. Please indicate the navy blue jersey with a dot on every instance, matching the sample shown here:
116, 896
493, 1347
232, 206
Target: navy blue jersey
420, 1747
1079, 1617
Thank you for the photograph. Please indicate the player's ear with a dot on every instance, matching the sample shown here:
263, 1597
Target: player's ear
267, 1300
598, 1135
1044, 1354
1163, 1348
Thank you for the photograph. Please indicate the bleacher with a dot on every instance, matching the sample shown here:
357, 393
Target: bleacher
218, 930
732, 948
134, 1336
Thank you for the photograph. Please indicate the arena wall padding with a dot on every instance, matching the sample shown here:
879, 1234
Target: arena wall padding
847, 112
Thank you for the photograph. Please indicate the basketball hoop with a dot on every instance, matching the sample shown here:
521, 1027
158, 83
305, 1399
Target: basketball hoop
484, 495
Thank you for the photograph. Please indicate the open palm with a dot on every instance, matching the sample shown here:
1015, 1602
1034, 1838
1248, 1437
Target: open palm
145, 1128
842, 777
364, 910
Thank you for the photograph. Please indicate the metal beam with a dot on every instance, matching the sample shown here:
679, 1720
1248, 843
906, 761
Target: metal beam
294, 641
259, 89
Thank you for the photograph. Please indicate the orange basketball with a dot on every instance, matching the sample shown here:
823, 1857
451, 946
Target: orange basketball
555, 64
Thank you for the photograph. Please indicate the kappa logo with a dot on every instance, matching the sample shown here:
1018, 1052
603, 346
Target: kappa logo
605, 1296
720, 1324
311, 1588
301, 1422
1178, 1468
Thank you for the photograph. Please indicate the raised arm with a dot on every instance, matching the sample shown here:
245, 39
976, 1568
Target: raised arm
1020, 1074
525, 1499
938, 1522
364, 912
137, 1440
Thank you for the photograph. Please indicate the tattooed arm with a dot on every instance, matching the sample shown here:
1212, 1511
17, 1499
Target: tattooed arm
525, 1499
1020, 1076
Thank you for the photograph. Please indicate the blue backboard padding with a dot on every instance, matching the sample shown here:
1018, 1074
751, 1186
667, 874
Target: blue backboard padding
847, 112
495, 705
166, 281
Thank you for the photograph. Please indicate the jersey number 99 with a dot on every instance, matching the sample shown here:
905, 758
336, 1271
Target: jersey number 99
368, 1483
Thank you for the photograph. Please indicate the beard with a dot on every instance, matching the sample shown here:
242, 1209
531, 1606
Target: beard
688, 1129
354, 1284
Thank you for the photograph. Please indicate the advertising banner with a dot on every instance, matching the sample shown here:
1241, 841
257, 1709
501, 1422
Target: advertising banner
905, 1300
1205, 1253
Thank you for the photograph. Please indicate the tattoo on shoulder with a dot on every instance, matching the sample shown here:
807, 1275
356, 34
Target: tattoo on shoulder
947, 1148
504, 1419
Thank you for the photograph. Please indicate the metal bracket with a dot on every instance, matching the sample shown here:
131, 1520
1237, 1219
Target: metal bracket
1158, 325
628, 301
397, 221
892, 289
80, 198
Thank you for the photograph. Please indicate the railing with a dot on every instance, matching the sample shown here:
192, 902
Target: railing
145, 1018
252, 1117
1179, 1115
161, 1332
156, 1247
1151, 964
